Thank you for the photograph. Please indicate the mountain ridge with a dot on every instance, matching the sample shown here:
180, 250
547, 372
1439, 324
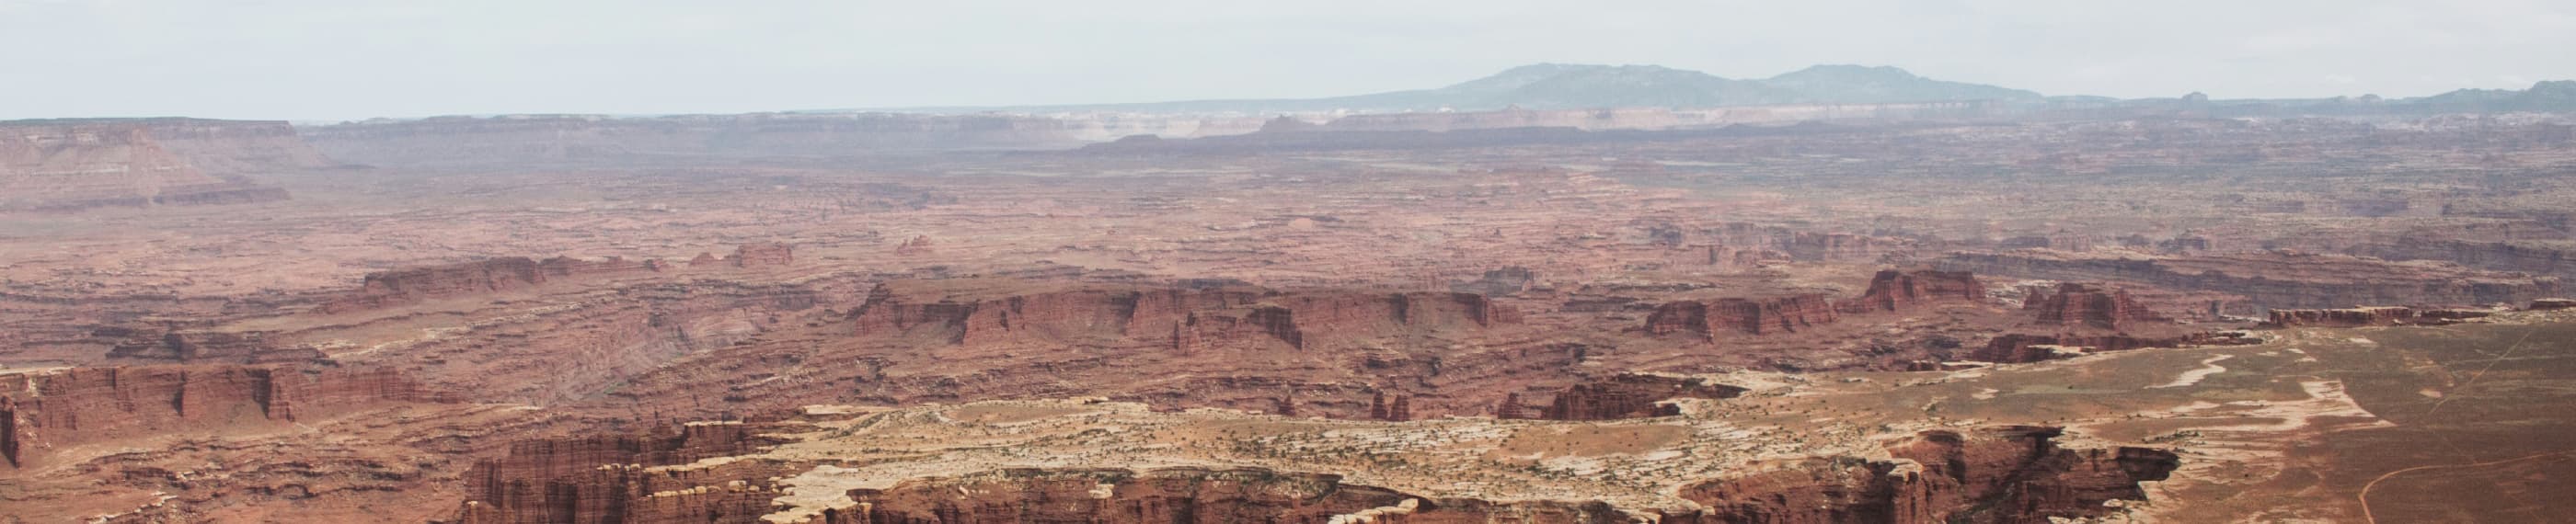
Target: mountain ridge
1549, 85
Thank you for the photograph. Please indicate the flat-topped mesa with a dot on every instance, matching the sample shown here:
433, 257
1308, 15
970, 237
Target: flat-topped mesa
2106, 307
763, 254
43, 410
1184, 317
499, 275
1891, 290
2008, 474
413, 285
2350, 317
1626, 395
1710, 318
204, 346
72, 165
2275, 279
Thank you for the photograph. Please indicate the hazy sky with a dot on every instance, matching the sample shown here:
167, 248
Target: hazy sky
346, 59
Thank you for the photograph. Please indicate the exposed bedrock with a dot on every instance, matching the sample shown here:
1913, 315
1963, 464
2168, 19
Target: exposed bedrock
2013, 474
2025, 347
1755, 316
2276, 279
1184, 318
2554, 258
1889, 290
2348, 317
1626, 395
2091, 305
71, 165
413, 285
2009, 474
606, 478
44, 410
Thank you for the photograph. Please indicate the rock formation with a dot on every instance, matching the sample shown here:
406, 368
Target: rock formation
1892, 290
71, 165
2353, 317
1627, 395
2012, 474
65, 408
2276, 279
2090, 305
1709, 319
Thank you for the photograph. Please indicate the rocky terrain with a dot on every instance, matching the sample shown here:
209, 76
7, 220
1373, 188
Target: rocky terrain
1885, 299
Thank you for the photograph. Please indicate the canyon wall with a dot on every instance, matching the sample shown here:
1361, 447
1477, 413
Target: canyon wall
2276, 279
2012, 474
1183, 318
540, 139
41, 410
72, 165
2090, 305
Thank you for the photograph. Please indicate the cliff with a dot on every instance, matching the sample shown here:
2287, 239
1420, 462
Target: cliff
45, 410
1891, 290
1185, 318
2012, 474
1626, 395
2352, 317
413, 285
2275, 279
602, 478
2092, 306
2025, 347
1710, 318
71, 165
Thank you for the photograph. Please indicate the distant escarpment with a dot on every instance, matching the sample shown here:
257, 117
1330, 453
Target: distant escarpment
1348, 353
2276, 279
1890, 290
1185, 319
72, 165
583, 138
1987, 475
416, 284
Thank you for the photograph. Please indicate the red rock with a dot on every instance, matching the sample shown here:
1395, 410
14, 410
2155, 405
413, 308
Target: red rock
2011, 474
2552, 303
979, 312
2023, 347
79, 405
407, 286
763, 255
2274, 279
71, 165
1627, 395
918, 245
2354, 317
1891, 290
1709, 318
2090, 305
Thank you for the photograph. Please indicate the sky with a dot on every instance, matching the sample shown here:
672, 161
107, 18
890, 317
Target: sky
328, 60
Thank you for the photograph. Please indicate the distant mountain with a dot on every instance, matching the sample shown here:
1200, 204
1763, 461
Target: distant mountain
1882, 84
2547, 95
1583, 86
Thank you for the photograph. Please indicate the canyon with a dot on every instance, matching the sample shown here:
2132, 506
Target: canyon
1989, 310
